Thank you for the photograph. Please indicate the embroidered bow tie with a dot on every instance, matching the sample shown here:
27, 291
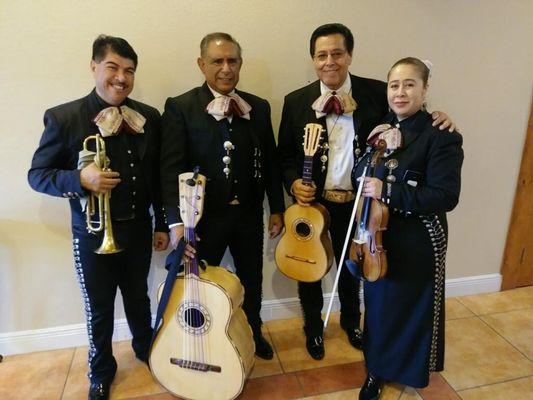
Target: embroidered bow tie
112, 120
391, 134
334, 102
231, 104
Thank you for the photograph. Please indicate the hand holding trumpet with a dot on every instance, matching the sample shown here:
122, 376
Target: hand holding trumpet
95, 180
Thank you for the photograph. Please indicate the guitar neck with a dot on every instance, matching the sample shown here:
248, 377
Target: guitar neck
191, 267
307, 175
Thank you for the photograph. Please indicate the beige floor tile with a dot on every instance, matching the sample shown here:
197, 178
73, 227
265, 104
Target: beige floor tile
333, 378
39, 375
132, 379
476, 355
275, 387
438, 389
77, 383
342, 395
289, 340
516, 327
391, 391
133, 376
455, 309
266, 367
520, 389
509, 300
409, 393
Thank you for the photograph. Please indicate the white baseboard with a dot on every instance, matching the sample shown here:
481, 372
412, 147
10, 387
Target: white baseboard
473, 285
76, 335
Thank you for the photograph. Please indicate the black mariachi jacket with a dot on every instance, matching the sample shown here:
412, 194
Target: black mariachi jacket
54, 166
427, 179
371, 99
192, 137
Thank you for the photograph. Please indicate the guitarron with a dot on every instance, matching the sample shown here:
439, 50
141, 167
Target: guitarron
305, 252
204, 348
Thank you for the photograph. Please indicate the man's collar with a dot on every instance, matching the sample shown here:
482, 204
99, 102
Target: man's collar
215, 93
345, 87
103, 104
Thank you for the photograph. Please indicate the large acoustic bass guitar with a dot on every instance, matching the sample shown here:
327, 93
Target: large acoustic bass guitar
204, 348
305, 252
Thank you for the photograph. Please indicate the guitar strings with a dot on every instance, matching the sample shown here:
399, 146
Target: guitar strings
195, 351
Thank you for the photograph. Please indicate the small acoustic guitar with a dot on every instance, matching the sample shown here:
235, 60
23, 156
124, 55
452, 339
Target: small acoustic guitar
204, 348
305, 252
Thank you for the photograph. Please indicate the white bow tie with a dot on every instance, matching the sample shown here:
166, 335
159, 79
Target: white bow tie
337, 102
112, 120
232, 104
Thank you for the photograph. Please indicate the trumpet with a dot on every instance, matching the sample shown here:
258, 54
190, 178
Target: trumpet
100, 201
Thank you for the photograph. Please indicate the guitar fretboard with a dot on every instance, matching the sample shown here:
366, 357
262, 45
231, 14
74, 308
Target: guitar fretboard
307, 176
190, 238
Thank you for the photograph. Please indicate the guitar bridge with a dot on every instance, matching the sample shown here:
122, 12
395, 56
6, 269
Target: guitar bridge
197, 366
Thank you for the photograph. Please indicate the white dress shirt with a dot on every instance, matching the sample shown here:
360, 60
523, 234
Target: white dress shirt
340, 139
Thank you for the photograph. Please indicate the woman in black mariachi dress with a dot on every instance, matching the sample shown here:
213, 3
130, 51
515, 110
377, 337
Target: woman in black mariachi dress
420, 182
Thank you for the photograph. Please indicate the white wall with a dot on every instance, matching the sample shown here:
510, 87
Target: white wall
483, 60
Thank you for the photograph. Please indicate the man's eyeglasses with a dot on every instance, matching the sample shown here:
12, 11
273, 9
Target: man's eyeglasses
335, 55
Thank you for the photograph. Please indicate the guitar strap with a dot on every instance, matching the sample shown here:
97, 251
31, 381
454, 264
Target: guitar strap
173, 265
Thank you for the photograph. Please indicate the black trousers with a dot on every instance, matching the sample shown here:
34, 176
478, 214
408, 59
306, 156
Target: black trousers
99, 277
310, 294
240, 228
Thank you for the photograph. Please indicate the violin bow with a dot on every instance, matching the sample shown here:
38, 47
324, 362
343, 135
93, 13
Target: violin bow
346, 241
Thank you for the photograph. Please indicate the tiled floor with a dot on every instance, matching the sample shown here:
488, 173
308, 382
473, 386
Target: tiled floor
489, 355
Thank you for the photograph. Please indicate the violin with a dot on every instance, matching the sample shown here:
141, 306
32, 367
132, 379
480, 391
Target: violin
366, 249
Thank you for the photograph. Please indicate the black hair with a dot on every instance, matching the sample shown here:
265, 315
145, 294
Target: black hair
331, 29
104, 43
422, 68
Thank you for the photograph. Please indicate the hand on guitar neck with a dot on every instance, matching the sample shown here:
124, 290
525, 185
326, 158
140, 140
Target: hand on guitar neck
176, 234
303, 193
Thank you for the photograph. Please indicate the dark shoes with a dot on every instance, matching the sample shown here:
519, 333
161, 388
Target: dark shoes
263, 349
355, 337
371, 390
99, 391
315, 347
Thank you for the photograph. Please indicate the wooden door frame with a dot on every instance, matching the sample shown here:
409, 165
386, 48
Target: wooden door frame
514, 252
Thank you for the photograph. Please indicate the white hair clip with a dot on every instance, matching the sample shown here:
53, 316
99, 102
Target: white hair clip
429, 66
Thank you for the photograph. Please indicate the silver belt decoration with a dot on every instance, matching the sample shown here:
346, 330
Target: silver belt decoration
338, 196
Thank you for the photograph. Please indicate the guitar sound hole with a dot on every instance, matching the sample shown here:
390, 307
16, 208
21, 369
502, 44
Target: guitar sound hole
303, 230
194, 318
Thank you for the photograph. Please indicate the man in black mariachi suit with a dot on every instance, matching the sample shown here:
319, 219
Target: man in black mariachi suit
331, 50
131, 133
228, 134
348, 107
